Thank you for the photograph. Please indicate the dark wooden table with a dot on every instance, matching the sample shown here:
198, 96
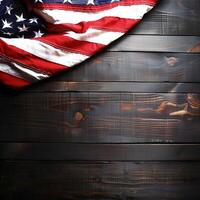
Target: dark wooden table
123, 125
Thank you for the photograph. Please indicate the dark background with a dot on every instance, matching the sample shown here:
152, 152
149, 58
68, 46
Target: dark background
124, 125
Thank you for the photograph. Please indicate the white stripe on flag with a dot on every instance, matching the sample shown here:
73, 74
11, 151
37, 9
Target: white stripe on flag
21, 72
73, 17
47, 52
96, 36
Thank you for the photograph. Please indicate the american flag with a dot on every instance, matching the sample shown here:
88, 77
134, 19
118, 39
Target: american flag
40, 38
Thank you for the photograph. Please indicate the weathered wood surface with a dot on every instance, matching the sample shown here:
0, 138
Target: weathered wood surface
171, 17
99, 152
137, 66
113, 87
96, 180
123, 125
153, 43
101, 117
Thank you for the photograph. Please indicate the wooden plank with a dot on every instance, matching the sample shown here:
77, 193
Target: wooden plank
96, 180
99, 152
100, 117
135, 66
171, 17
149, 43
131, 66
126, 87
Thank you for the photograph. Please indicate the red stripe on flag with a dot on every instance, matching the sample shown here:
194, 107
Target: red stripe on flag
71, 45
93, 8
12, 81
28, 59
114, 24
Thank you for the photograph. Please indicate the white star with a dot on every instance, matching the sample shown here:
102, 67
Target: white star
8, 9
6, 24
32, 20
20, 18
0, 1
38, 34
90, 2
38, 1
68, 1
23, 28
114, 1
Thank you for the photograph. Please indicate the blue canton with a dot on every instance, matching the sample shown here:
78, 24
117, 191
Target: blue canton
17, 22
79, 2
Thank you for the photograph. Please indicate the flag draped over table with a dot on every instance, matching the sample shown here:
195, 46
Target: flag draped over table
39, 38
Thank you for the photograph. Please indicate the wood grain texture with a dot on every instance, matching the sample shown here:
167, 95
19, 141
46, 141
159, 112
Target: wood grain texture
136, 66
113, 87
96, 180
171, 17
117, 67
152, 43
100, 118
99, 152
123, 125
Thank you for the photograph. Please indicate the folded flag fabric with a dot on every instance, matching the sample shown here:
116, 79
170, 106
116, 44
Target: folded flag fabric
40, 38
